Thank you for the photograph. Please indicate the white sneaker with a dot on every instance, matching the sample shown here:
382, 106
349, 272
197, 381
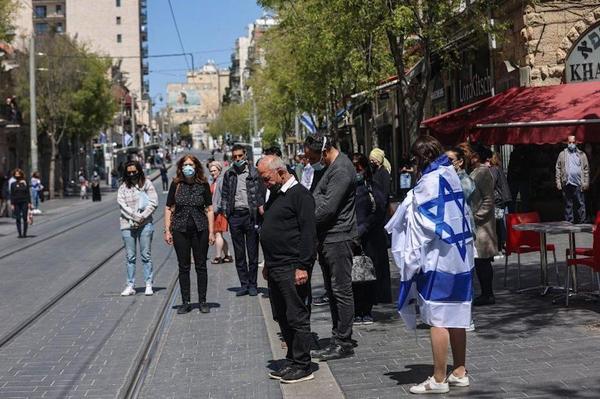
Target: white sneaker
455, 381
148, 290
430, 386
129, 290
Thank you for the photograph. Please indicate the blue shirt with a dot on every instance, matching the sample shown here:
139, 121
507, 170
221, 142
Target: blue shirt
573, 169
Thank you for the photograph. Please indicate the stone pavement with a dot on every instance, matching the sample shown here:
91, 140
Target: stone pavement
524, 346
223, 354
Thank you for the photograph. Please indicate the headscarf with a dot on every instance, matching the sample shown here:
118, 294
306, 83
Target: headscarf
378, 155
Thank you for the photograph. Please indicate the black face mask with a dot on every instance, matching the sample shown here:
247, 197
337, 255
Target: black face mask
133, 177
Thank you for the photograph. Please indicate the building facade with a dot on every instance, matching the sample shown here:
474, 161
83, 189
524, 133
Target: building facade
198, 101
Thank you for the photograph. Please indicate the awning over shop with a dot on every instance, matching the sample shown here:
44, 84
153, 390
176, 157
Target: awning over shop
525, 115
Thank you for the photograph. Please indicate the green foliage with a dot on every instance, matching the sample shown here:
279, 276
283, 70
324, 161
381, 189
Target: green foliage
233, 119
7, 9
184, 131
74, 95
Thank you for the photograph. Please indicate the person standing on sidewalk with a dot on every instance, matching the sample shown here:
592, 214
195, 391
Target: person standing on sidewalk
336, 230
573, 178
288, 239
370, 221
164, 177
96, 194
242, 200
20, 199
486, 244
137, 201
189, 227
36, 192
221, 247
432, 245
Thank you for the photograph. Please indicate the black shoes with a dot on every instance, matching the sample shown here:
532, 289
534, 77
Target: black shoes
297, 375
332, 352
242, 292
184, 308
204, 308
321, 301
278, 374
253, 291
484, 300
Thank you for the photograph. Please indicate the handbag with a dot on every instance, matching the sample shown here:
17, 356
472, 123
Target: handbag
363, 269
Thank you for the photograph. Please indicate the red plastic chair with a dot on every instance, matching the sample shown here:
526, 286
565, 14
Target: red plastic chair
592, 261
583, 251
521, 242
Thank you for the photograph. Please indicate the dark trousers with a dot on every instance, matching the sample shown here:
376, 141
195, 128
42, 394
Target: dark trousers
20, 214
365, 296
574, 198
245, 238
485, 275
336, 263
516, 187
289, 303
165, 183
195, 242
375, 247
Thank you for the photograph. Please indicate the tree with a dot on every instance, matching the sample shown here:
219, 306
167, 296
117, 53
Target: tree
7, 8
74, 97
234, 119
334, 48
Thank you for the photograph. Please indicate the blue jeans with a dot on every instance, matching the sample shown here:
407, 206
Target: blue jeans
574, 201
130, 238
35, 198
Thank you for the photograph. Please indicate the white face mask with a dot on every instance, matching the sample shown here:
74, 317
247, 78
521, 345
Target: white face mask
317, 166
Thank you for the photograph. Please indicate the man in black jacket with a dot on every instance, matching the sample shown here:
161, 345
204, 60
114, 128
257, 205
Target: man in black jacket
336, 232
242, 200
288, 238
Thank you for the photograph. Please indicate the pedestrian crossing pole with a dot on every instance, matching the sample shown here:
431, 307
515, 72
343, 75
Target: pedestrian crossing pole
32, 108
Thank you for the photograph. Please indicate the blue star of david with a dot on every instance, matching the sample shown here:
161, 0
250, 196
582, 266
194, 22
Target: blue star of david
446, 195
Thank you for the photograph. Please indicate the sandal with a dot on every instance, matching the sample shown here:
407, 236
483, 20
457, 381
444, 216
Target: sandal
227, 259
216, 261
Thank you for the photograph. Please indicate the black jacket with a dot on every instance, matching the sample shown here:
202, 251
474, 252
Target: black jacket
255, 188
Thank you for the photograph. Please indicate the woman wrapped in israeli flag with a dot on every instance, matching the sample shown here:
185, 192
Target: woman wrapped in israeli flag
432, 245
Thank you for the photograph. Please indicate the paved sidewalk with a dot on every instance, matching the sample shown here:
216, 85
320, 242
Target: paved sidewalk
524, 346
223, 354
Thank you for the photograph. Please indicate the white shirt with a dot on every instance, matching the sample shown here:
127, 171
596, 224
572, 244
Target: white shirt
288, 184
308, 174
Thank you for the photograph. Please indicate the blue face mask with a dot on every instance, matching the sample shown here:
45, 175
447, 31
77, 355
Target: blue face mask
188, 170
572, 147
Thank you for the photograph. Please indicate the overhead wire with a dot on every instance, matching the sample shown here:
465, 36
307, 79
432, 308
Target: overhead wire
178, 33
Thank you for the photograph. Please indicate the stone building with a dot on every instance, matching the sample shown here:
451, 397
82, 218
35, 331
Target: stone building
198, 100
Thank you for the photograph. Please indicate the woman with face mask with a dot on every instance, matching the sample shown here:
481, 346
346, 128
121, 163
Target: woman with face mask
189, 227
370, 206
137, 200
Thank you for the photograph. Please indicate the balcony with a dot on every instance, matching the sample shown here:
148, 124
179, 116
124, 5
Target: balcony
145, 68
144, 51
146, 86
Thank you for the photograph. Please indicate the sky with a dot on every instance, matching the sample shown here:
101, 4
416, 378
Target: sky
208, 30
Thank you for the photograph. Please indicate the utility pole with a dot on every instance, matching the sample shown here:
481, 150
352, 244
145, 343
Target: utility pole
33, 111
133, 129
254, 118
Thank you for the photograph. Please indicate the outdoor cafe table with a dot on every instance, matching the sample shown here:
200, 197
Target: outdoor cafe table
545, 228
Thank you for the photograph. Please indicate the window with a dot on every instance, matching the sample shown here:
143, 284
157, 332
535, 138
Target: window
118, 20
118, 3
119, 38
59, 27
59, 9
40, 11
41, 28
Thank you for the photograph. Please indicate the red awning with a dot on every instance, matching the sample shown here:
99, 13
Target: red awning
525, 115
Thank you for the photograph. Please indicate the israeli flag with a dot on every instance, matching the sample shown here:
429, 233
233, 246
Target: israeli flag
307, 122
147, 138
432, 245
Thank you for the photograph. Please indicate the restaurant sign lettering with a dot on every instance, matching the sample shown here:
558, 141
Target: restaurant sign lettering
474, 88
583, 63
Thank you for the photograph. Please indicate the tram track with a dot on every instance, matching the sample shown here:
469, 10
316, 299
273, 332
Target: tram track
95, 216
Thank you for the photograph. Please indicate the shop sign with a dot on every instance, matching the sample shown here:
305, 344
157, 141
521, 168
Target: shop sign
476, 87
583, 64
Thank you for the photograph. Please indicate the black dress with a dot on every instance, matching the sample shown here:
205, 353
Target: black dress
96, 196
